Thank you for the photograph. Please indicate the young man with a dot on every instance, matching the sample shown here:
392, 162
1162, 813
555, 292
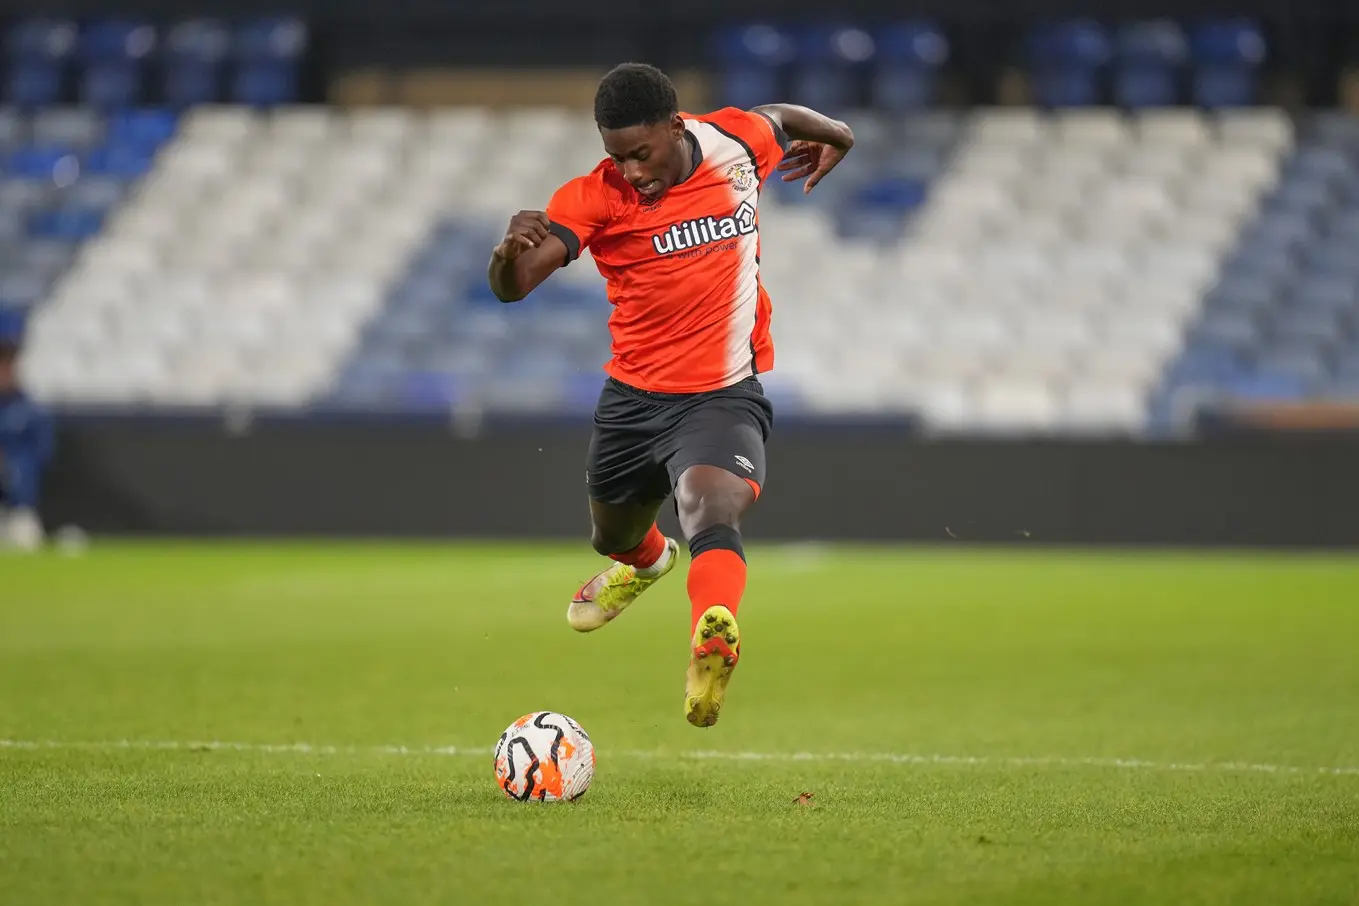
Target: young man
25, 446
671, 220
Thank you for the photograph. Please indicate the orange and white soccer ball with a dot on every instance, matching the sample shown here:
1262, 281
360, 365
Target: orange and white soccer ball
544, 756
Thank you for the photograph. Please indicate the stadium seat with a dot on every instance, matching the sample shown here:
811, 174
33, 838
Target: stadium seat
1067, 62
1149, 57
196, 54
910, 56
751, 62
1227, 56
831, 62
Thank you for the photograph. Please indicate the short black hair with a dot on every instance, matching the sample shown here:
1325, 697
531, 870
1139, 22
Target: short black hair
634, 94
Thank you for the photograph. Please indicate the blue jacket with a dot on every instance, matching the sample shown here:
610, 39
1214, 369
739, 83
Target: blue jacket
26, 440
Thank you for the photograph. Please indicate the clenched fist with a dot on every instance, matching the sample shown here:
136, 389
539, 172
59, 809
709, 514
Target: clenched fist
527, 230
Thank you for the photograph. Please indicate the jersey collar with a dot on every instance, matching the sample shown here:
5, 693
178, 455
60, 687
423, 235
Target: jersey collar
696, 154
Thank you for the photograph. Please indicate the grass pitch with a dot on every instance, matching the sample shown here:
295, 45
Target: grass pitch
976, 727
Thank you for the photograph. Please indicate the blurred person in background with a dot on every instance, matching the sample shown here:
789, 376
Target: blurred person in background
25, 446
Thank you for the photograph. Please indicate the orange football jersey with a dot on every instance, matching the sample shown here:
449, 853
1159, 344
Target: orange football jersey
683, 274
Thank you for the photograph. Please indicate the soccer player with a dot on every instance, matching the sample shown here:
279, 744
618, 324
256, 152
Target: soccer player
25, 446
671, 220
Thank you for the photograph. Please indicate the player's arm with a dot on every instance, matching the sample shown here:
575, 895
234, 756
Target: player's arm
527, 256
818, 142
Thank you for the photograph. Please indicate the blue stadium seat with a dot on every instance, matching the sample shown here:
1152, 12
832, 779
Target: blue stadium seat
911, 163
95, 193
268, 53
1237, 330
34, 84
1333, 258
189, 83
1137, 87
910, 57
265, 84
1330, 293
831, 61
1225, 86
1301, 196
114, 52
73, 127
1292, 359
43, 162
1318, 163
1270, 387
898, 195
1347, 364
49, 256
71, 224
1262, 262
1284, 229
750, 61
117, 40
24, 194
271, 40
38, 52
1068, 60
434, 390
1320, 331
22, 290
14, 130
196, 52
1334, 128
146, 128
41, 40
112, 85
121, 161
1206, 364
13, 226
1149, 59
1227, 56
1345, 225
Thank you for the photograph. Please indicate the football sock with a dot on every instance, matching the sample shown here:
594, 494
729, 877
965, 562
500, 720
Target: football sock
717, 572
647, 556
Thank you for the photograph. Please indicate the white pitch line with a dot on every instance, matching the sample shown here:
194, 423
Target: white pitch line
305, 748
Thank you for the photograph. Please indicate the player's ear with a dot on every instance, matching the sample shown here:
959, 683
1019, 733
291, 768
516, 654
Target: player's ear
677, 126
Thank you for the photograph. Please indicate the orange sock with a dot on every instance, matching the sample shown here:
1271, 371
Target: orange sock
716, 576
645, 554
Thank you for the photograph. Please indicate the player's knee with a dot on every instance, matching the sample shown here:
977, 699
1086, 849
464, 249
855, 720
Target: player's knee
702, 506
606, 540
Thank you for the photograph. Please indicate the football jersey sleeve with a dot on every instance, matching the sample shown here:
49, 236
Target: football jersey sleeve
765, 139
577, 212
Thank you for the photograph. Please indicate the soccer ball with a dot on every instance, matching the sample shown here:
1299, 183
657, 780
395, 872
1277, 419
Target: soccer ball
544, 756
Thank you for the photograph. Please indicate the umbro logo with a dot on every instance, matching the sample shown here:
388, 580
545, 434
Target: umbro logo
745, 463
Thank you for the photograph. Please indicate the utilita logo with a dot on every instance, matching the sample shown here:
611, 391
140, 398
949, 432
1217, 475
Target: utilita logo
693, 234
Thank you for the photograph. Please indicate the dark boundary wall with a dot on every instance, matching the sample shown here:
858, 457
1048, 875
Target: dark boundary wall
853, 482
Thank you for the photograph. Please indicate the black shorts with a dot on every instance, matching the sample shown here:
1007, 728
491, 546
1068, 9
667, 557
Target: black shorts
643, 441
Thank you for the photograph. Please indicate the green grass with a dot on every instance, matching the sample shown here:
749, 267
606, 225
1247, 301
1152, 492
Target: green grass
1041, 667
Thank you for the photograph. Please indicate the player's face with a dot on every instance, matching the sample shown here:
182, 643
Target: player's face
649, 157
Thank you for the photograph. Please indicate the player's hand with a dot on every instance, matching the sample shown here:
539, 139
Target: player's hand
812, 160
527, 230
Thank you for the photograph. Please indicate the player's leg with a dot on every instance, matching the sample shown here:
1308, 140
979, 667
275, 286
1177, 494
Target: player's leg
627, 485
20, 525
711, 502
627, 534
719, 469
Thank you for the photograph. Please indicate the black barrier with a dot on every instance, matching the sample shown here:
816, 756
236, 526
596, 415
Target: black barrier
527, 12
1309, 38
852, 482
